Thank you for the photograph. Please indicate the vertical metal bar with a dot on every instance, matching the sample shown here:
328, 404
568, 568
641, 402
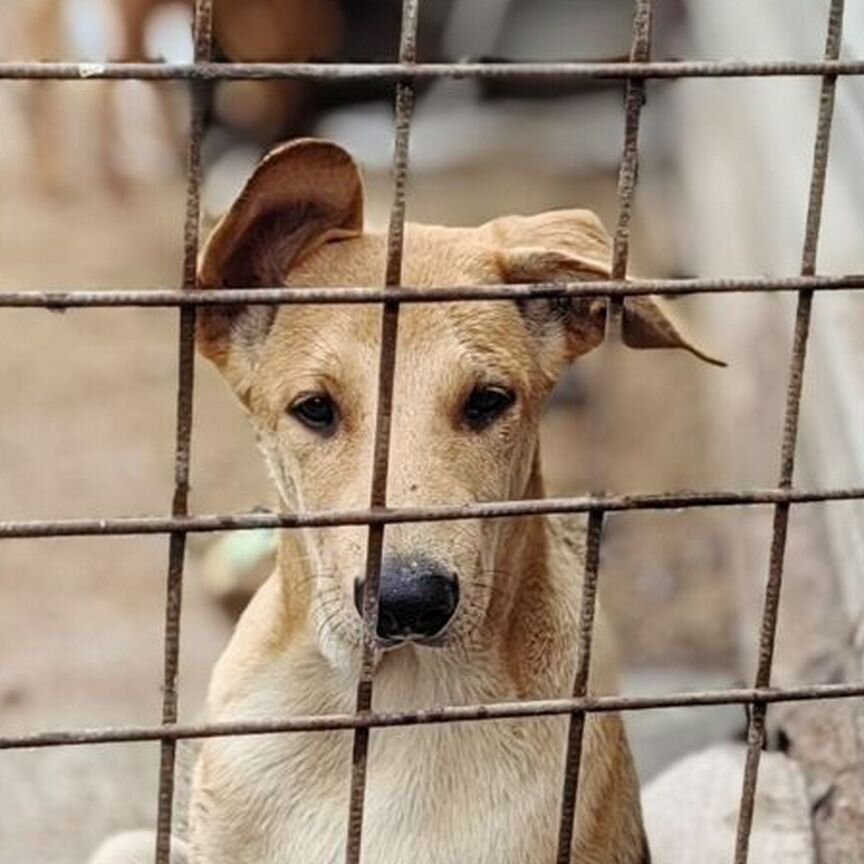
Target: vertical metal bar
183, 437
404, 106
634, 100
573, 760
771, 603
640, 51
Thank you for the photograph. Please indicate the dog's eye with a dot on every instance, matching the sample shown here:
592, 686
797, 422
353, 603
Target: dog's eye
317, 412
486, 404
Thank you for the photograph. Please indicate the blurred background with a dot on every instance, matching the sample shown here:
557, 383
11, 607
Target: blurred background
92, 196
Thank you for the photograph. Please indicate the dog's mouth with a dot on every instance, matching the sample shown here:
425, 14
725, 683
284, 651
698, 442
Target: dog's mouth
395, 643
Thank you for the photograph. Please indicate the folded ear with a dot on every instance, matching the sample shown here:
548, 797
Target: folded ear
646, 324
572, 245
302, 195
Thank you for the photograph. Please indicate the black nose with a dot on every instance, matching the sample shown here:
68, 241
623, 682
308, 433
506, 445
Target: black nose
417, 600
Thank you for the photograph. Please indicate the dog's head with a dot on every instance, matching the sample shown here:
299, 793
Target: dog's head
471, 379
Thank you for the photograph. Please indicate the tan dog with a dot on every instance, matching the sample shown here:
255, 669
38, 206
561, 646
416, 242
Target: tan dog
253, 31
470, 612
256, 31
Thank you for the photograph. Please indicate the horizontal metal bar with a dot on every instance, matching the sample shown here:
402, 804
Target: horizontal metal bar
451, 714
129, 525
62, 300
413, 72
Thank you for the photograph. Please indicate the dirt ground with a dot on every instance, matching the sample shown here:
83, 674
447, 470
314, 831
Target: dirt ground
86, 429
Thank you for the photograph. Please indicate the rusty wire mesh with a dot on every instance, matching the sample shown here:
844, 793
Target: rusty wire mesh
180, 523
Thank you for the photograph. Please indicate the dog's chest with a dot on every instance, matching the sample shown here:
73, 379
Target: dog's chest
473, 793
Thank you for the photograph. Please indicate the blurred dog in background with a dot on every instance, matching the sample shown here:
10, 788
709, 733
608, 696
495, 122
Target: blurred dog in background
244, 30
259, 113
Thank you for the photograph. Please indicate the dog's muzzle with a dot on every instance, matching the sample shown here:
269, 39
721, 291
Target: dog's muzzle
417, 600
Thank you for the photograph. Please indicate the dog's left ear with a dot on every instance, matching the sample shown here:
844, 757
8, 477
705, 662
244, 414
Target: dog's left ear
572, 245
302, 195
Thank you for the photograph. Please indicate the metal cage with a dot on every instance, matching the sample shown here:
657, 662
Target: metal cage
181, 522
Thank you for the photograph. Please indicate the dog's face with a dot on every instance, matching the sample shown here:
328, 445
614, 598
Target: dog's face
470, 382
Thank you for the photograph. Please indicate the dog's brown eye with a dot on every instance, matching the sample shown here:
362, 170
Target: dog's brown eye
318, 412
486, 404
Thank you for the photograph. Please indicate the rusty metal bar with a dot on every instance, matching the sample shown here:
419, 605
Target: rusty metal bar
423, 71
404, 109
634, 100
60, 301
528, 709
405, 73
208, 523
203, 25
771, 608
576, 728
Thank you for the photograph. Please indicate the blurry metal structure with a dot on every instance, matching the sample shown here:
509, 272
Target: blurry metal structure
404, 74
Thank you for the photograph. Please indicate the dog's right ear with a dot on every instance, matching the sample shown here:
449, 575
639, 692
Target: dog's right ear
302, 195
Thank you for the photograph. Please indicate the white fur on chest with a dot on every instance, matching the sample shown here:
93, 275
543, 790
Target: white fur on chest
478, 793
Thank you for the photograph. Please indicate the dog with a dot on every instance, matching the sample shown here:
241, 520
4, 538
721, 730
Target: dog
472, 611
244, 30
